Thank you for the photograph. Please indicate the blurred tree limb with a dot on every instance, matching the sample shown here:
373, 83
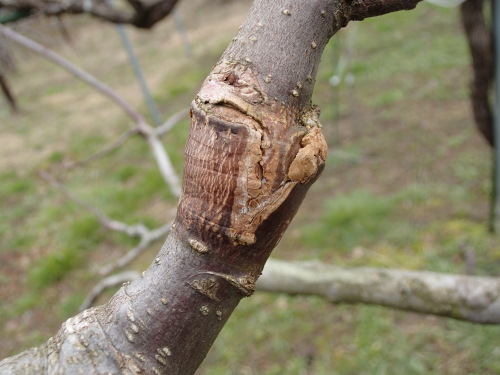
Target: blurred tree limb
480, 40
462, 297
141, 14
470, 298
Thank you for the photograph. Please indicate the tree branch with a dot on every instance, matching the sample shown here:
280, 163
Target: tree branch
137, 230
171, 121
142, 14
106, 283
158, 131
255, 148
361, 9
141, 126
480, 41
469, 298
74, 70
147, 238
104, 151
146, 235
164, 164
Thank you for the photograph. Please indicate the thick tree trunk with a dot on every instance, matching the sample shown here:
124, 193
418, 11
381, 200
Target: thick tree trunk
254, 149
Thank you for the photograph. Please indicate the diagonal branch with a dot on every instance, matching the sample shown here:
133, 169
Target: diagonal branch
141, 126
106, 283
74, 70
147, 236
164, 164
159, 131
137, 230
171, 122
104, 151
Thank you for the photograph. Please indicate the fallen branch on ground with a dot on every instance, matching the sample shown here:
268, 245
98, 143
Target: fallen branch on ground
470, 298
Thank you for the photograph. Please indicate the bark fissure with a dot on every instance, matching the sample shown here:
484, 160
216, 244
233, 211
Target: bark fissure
233, 118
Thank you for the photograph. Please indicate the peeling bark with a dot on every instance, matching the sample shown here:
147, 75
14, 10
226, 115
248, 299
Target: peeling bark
255, 147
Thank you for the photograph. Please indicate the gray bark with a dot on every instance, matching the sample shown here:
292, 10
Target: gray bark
469, 298
461, 297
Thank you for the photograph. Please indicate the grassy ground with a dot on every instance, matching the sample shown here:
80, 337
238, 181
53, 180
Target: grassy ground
406, 186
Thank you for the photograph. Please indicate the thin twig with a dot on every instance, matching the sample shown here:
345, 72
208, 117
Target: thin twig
108, 282
147, 239
171, 122
147, 236
105, 151
164, 164
141, 126
137, 230
74, 70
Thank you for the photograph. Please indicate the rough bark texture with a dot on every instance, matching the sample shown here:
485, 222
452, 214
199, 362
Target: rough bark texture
254, 149
480, 40
142, 14
469, 298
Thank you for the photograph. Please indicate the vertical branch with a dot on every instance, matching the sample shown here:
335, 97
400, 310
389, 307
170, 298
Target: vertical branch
7, 92
480, 41
164, 164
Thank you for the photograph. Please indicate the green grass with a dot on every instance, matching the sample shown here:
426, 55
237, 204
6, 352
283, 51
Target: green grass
350, 219
53, 268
